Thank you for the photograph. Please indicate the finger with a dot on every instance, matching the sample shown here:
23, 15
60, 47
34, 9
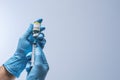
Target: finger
42, 43
41, 36
28, 67
31, 38
38, 57
28, 56
28, 32
44, 59
42, 28
39, 20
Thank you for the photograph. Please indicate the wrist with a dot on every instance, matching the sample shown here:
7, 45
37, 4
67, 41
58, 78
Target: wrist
5, 75
9, 75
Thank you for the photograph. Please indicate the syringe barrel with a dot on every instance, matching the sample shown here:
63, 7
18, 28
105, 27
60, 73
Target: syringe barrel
36, 31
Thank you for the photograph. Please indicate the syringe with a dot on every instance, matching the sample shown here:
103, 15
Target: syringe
36, 31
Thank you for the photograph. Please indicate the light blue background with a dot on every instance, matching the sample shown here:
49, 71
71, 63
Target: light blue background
83, 36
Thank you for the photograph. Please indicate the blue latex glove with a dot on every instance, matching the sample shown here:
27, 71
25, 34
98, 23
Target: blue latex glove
40, 69
17, 63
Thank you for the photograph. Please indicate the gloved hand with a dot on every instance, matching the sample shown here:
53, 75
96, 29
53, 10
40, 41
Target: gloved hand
16, 64
40, 68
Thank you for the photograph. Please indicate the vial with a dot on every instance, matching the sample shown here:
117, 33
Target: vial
36, 29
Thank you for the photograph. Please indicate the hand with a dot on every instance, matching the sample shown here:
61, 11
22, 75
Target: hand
17, 63
40, 69
25, 42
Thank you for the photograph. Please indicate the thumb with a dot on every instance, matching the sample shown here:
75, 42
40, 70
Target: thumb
38, 57
28, 32
28, 66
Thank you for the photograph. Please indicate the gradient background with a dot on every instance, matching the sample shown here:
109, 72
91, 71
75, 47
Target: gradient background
83, 36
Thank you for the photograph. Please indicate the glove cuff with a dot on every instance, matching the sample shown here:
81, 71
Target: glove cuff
15, 65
